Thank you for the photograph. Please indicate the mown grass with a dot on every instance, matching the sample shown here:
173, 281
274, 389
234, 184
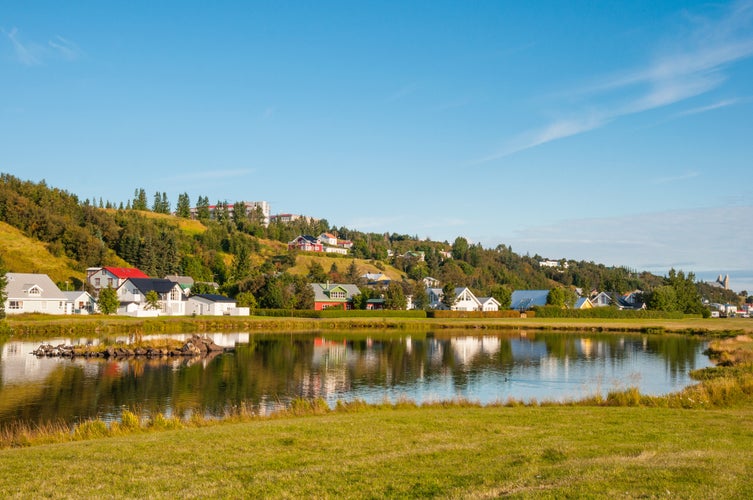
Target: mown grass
406, 451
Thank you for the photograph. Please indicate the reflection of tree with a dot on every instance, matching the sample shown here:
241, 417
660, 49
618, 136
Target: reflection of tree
273, 369
678, 351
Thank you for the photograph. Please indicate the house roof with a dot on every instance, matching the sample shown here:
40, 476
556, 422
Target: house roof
526, 299
484, 300
72, 296
146, 285
211, 297
19, 284
183, 281
125, 272
580, 302
322, 290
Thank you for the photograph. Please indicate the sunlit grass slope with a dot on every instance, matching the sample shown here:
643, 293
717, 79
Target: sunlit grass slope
25, 255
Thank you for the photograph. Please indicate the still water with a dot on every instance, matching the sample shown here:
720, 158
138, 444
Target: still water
266, 371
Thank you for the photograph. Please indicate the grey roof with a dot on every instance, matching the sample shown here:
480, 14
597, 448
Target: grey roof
20, 283
146, 285
526, 299
211, 297
321, 291
181, 280
71, 296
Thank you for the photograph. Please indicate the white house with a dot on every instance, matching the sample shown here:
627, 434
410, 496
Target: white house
489, 304
33, 293
132, 296
214, 305
79, 302
465, 300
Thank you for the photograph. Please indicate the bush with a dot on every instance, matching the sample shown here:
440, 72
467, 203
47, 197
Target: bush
603, 313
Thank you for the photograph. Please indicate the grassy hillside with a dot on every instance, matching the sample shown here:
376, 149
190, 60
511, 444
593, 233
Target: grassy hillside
303, 262
22, 254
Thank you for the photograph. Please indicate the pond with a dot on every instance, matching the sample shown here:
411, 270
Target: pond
266, 371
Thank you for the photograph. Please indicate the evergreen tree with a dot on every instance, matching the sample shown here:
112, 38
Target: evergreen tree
241, 263
202, 208
394, 297
448, 295
183, 208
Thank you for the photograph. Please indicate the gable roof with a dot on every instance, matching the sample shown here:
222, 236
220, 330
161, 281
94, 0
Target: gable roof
72, 296
526, 299
211, 297
20, 283
322, 291
146, 285
125, 272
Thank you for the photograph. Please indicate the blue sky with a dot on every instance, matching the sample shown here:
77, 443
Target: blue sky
615, 132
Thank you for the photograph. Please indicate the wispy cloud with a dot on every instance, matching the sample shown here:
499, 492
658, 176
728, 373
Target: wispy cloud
676, 178
65, 48
674, 76
710, 107
30, 53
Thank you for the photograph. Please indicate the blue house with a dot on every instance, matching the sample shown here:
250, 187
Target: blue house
522, 300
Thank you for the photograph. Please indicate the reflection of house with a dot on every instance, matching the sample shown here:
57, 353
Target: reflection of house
333, 295
79, 303
132, 295
113, 277
33, 293
214, 305
523, 300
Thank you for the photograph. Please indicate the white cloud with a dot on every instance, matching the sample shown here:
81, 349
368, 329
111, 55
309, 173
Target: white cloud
31, 53
65, 48
677, 75
28, 54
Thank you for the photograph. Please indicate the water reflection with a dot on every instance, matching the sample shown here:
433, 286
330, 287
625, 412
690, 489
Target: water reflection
267, 371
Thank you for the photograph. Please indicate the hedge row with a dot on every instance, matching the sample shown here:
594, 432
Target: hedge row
505, 313
603, 313
338, 313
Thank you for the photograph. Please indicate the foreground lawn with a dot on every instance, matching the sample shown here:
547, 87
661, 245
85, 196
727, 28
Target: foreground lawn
475, 452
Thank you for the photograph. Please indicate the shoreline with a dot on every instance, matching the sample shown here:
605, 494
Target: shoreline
39, 325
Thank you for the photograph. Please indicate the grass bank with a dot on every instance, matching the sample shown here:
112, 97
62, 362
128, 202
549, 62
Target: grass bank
98, 325
404, 451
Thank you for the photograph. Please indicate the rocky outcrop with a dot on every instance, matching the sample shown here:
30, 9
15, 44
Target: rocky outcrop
196, 346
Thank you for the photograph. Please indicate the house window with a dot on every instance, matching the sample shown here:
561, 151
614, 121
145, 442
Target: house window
97, 282
337, 295
109, 281
174, 294
15, 304
34, 291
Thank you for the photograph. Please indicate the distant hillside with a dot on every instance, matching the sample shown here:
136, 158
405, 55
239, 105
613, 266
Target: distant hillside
47, 230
